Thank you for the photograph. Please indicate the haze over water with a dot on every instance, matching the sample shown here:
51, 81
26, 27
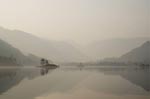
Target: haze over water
73, 20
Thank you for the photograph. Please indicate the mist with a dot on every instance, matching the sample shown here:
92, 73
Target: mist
79, 21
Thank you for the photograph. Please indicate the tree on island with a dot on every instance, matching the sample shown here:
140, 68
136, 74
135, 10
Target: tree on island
44, 62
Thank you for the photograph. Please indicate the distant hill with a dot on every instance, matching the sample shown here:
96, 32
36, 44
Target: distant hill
59, 51
53, 50
10, 55
113, 47
140, 54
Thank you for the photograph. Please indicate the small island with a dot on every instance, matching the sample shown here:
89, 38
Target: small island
45, 64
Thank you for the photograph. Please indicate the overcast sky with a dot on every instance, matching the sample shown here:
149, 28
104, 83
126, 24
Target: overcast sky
77, 20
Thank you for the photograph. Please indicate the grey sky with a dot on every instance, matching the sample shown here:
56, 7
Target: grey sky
78, 20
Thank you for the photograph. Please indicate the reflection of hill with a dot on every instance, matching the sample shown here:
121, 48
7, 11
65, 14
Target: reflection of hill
12, 77
73, 77
137, 76
140, 77
8, 79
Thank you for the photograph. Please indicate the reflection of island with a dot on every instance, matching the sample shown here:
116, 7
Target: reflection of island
46, 66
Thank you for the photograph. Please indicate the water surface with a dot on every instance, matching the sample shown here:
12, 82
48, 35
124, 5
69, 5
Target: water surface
72, 82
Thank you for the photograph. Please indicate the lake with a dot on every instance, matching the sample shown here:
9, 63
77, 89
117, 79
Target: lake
73, 82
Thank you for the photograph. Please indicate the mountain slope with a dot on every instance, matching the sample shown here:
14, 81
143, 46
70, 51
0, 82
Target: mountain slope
55, 51
114, 47
140, 54
7, 52
9, 55
68, 52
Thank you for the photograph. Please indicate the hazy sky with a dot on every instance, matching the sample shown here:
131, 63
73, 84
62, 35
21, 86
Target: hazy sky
78, 20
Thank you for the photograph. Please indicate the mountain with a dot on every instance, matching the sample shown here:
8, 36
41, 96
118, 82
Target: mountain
113, 47
53, 50
10, 55
140, 54
59, 51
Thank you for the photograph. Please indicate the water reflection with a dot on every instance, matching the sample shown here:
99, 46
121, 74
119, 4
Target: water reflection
10, 77
31, 83
45, 70
135, 75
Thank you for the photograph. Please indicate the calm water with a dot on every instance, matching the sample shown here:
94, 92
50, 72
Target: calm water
71, 82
